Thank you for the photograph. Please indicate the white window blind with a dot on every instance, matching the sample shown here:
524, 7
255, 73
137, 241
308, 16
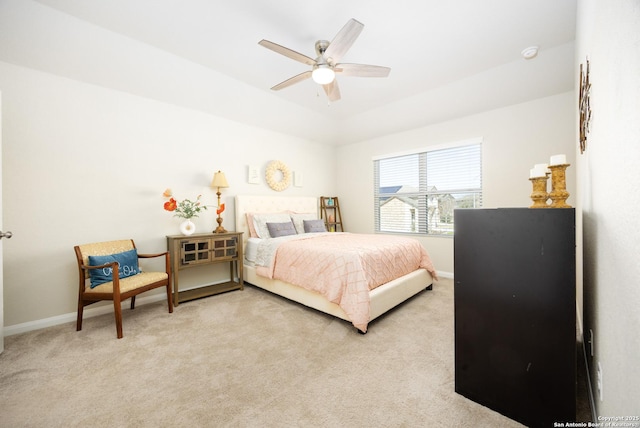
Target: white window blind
417, 192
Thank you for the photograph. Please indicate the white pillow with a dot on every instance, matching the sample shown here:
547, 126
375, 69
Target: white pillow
299, 218
260, 222
251, 250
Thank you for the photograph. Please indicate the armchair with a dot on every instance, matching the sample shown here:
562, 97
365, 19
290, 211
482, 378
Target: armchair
97, 262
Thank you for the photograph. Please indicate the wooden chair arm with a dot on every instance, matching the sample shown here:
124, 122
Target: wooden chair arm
147, 256
115, 267
167, 262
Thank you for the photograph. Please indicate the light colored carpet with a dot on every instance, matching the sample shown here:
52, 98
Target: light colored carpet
242, 359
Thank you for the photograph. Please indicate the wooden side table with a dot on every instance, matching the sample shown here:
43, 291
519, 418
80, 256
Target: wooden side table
204, 249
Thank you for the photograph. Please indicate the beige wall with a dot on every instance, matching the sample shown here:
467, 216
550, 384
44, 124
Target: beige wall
514, 139
83, 164
609, 200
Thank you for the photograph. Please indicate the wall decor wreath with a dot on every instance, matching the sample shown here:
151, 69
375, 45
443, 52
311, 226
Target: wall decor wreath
272, 175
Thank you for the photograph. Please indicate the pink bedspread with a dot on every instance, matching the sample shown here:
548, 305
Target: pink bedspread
344, 267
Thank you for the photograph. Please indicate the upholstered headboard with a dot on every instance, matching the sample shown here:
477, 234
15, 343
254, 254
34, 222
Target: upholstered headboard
270, 204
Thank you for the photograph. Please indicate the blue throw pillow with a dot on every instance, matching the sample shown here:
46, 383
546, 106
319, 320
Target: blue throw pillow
314, 226
281, 229
128, 262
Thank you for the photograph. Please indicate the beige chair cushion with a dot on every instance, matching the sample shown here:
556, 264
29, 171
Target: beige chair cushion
129, 283
104, 249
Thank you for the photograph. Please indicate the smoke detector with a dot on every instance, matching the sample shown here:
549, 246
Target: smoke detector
530, 52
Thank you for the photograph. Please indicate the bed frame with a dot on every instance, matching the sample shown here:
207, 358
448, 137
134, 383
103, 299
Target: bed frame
383, 298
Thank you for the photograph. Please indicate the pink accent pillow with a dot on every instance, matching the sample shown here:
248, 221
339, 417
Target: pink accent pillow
252, 227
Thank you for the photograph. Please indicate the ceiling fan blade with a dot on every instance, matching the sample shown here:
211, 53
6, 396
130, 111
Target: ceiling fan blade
293, 80
362, 70
343, 41
287, 52
332, 90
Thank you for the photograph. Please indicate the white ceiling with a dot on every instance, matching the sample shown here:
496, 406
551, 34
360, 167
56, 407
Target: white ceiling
447, 58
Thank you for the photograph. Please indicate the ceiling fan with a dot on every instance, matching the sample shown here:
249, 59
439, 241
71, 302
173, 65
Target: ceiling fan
325, 67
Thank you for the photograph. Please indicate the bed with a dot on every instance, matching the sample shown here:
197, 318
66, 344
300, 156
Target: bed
379, 300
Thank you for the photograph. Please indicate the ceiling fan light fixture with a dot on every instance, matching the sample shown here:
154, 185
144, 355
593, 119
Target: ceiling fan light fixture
323, 74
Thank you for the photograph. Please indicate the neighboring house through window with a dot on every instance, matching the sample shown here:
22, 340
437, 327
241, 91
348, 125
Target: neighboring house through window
417, 192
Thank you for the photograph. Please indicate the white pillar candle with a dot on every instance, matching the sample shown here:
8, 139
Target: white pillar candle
536, 172
543, 166
558, 160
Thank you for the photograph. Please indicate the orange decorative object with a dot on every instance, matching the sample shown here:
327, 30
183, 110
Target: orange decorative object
220, 209
171, 205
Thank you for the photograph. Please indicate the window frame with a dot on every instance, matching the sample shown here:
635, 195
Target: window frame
422, 225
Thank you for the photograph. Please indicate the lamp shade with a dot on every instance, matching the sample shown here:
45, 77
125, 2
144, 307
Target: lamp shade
219, 180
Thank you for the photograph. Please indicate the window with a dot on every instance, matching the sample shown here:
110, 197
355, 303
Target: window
417, 192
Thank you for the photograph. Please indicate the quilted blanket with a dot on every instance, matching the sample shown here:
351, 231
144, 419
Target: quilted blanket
342, 266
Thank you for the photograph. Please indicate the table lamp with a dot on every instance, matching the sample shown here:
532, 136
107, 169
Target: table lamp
219, 181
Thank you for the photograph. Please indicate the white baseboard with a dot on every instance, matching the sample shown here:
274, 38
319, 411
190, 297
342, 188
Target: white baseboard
445, 275
72, 316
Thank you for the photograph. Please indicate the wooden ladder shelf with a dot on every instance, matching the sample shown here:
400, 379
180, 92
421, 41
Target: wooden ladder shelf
330, 213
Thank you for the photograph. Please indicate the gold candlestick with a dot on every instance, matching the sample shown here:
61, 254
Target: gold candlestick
559, 192
539, 195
